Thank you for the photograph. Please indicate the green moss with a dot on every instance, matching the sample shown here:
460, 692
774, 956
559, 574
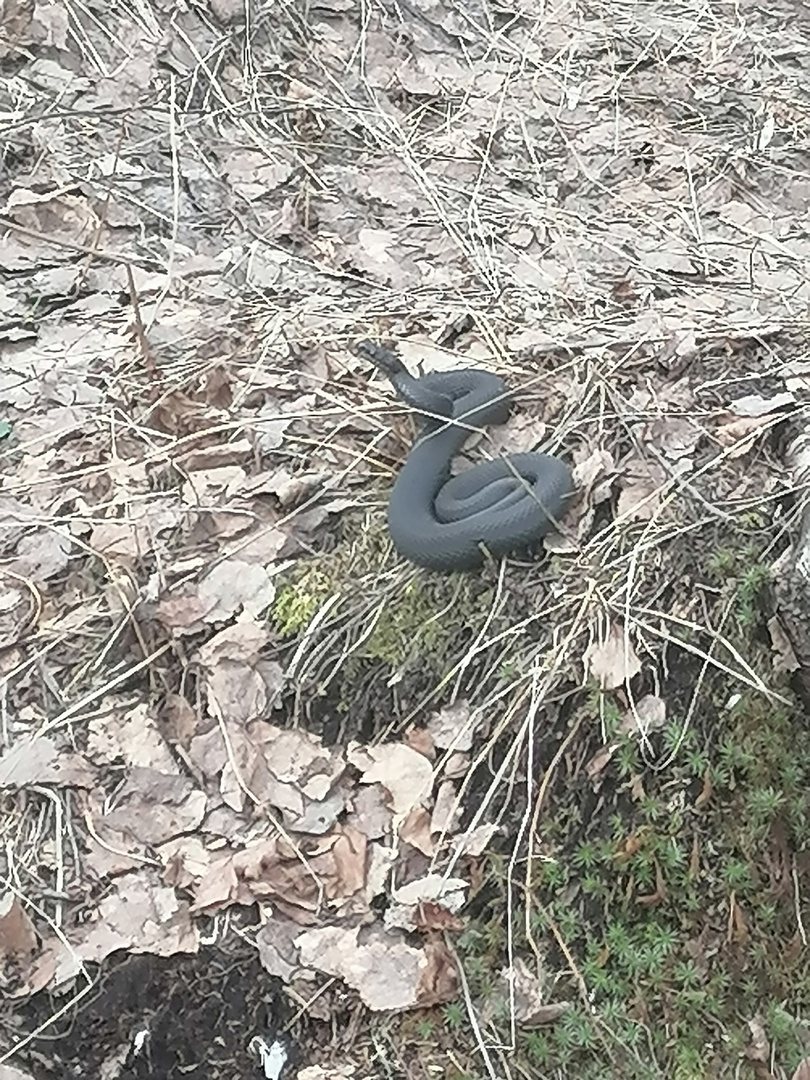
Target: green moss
299, 600
419, 620
668, 908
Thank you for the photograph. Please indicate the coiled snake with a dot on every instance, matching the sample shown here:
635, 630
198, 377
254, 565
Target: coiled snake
499, 506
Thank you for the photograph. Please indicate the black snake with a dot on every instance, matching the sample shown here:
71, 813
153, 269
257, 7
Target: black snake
499, 506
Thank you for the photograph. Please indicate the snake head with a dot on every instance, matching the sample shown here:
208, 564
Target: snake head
385, 359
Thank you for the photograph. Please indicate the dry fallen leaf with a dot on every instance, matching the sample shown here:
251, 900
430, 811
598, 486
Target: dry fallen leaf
474, 842
369, 811
784, 656
415, 830
406, 774
154, 806
276, 944
128, 735
407, 901
741, 433
234, 585
42, 554
646, 715
36, 760
387, 972
317, 1072
446, 811
19, 943
9, 1072
140, 914
758, 1048
452, 727
330, 867
527, 993
756, 405
613, 661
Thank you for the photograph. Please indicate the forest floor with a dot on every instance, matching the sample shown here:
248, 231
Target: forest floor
274, 802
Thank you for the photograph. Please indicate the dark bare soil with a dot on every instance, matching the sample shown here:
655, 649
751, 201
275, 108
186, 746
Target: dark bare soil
198, 1015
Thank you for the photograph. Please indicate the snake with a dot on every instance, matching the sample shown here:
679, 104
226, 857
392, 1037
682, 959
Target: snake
497, 507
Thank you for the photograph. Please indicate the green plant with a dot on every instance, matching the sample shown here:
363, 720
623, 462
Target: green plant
454, 1014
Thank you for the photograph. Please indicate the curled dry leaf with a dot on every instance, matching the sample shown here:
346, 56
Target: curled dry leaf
406, 774
432, 897
387, 972
331, 868
613, 661
452, 727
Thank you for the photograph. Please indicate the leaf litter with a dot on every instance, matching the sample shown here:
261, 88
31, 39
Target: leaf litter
186, 419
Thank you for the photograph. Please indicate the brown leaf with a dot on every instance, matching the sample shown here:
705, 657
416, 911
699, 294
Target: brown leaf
705, 793
178, 720
432, 916
19, 944
138, 914
738, 931
415, 830
660, 894
154, 807
410, 902
613, 661
406, 774
388, 973
332, 867
452, 727
36, 760
131, 736
758, 1049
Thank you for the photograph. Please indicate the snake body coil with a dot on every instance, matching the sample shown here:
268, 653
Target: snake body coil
499, 506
